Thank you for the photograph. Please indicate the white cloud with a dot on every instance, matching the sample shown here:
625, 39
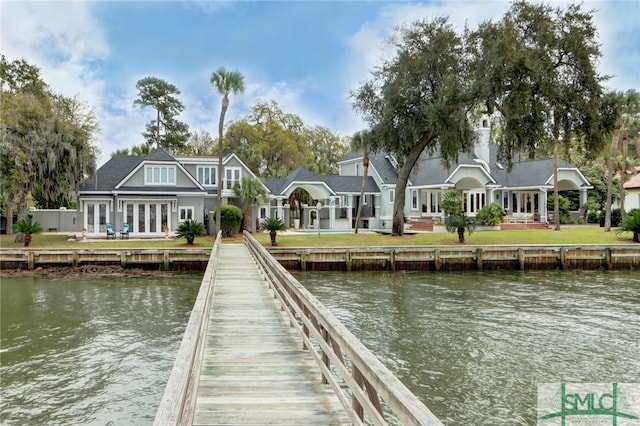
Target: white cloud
64, 41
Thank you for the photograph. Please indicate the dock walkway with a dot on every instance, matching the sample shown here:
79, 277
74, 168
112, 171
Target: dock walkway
253, 370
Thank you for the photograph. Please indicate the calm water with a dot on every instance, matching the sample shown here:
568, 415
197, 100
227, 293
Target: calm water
474, 346
89, 350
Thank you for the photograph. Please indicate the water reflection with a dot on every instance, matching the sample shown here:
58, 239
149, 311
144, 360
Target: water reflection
89, 350
474, 346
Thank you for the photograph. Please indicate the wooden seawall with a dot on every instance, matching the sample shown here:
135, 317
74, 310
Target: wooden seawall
410, 258
460, 258
165, 259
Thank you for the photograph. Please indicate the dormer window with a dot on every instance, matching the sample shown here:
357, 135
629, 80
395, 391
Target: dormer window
207, 175
485, 123
159, 175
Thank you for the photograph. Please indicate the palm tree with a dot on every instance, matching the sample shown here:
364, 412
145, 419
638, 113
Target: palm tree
631, 223
190, 229
360, 141
460, 223
224, 82
251, 192
273, 225
28, 227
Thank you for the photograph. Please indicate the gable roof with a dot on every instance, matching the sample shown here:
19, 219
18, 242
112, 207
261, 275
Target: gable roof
336, 184
111, 173
431, 171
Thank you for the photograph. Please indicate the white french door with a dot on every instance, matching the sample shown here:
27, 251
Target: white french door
474, 200
147, 217
96, 217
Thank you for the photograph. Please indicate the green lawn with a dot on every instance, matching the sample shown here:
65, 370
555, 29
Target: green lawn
63, 241
577, 235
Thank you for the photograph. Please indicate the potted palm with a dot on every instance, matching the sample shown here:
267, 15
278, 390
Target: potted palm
28, 227
273, 225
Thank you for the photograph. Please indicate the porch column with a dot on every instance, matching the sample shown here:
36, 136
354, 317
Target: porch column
279, 208
583, 199
543, 206
332, 212
376, 203
349, 210
443, 190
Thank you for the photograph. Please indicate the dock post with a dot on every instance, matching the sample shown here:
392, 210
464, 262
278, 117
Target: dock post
562, 257
392, 260
608, 258
165, 260
521, 258
479, 259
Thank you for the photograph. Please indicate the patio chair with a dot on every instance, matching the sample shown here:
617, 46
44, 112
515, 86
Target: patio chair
110, 232
125, 231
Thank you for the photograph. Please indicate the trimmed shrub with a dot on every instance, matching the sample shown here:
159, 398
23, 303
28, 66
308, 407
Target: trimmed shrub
616, 218
593, 217
231, 218
491, 214
564, 206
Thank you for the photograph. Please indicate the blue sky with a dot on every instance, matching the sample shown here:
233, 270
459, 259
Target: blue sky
305, 55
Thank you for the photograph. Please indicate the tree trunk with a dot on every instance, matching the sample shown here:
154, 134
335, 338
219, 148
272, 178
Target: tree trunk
401, 184
247, 218
9, 210
223, 111
623, 174
556, 197
610, 171
365, 173
461, 234
158, 128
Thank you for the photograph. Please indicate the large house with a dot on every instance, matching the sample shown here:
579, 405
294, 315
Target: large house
160, 191
155, 193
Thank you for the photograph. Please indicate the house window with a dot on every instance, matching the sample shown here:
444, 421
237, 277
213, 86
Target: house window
357, 169
392, 195
160, 175
232, 176
185, 213
207, 175
414, 199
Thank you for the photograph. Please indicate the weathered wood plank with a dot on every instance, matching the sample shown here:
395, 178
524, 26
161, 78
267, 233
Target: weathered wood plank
253, 370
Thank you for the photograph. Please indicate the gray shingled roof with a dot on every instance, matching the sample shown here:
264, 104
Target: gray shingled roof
118, 167
111, 173
528, 173
339, 184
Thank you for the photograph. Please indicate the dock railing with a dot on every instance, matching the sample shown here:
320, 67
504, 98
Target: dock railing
369, 391
179, 399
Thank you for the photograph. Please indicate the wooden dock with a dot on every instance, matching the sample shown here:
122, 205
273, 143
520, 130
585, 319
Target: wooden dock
254, 370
